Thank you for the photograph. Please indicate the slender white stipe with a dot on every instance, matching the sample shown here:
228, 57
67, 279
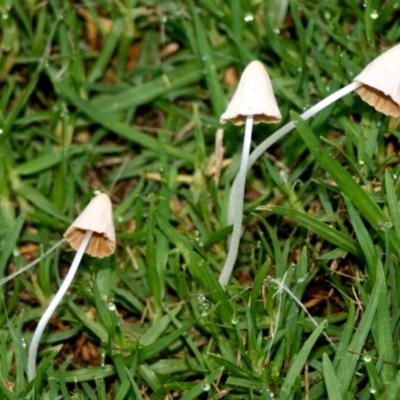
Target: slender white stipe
53, 305
285, 129
238, 206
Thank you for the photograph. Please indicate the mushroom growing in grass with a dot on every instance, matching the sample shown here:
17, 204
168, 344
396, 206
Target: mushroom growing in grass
253, 102
378, 84
93, 233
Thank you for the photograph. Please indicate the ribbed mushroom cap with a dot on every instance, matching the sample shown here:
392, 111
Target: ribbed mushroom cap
254, 96
96, 217
380, 81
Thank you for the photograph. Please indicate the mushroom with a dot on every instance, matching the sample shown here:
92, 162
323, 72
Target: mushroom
253, 102
380, 82
92, 232
378, 85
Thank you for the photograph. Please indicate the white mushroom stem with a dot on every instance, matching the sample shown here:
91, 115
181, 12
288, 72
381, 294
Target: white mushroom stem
262, 147
53, 305
238, 205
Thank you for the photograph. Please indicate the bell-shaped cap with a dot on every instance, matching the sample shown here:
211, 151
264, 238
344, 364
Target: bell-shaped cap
254, 96
380, 82
96, 217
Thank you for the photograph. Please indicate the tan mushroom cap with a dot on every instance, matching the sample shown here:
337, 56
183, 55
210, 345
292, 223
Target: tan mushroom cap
254, 96
96, 217
380, 81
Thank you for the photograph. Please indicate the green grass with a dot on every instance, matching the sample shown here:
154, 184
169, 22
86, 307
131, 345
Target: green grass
113, 112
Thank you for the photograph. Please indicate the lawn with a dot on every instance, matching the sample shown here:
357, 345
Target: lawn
125, 98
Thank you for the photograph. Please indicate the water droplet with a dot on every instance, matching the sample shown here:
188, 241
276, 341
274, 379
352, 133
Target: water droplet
164, 19
374, 14
204, 58
394, 176
284, 176
327, 15
206, 386
205, 309
103, 358
372, 390
367, 358
201, 244
276, 31
16, 252
361, 162
23, 343
150, 196
1, 131
4, 16
201, 298
112, 306
114, 352
249, 17
327, 175
302, 278
235, 319
96, 192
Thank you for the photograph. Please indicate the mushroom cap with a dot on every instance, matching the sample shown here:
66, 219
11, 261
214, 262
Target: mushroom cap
254, 96
96, 217
380, 82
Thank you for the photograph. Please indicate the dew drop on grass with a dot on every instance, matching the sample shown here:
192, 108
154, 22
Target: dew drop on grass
16, 252
201, 298
206, 386
374, 14
103, 358
372, 390
205, 309
367, 358
23, 343
301, 279
276, 31
235, 319
1, 131
112, 306
249, 17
